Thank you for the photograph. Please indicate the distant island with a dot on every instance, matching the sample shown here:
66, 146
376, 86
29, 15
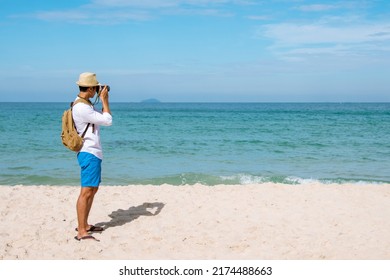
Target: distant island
151, 100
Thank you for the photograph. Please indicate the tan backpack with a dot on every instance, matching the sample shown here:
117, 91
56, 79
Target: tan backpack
70, 138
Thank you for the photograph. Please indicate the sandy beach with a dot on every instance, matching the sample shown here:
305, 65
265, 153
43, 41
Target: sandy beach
266, 221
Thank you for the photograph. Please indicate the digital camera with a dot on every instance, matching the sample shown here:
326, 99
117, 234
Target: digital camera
102, 86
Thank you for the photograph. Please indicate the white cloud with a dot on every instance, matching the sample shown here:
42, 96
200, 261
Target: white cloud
62, 15
93, 17
156, 4
327, 44
316, 7
119, 11
258, 17
136, 3
309, 34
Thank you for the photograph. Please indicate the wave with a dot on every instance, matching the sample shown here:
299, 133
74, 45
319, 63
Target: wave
242, 179
185, 179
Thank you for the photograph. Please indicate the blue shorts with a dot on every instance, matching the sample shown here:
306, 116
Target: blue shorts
91, 169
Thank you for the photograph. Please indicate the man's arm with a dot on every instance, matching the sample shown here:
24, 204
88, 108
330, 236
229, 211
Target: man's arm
104, 99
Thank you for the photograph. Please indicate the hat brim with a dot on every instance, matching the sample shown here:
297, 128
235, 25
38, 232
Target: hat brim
85, 85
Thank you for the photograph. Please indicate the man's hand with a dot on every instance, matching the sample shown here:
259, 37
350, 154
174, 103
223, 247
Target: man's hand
104, 94
104, 99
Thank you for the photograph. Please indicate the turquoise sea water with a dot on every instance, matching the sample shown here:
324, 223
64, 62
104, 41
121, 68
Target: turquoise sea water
208, 143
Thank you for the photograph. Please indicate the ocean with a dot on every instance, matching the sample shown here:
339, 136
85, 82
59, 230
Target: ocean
207, 143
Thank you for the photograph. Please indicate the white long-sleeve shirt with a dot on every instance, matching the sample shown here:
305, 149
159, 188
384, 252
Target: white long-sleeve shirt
84, 114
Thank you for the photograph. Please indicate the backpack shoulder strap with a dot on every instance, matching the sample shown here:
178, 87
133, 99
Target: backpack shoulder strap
85, 131
82, 100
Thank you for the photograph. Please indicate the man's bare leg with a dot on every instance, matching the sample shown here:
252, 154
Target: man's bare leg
83, 207
89, 206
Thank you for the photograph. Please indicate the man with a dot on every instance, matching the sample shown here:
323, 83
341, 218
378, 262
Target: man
91, 155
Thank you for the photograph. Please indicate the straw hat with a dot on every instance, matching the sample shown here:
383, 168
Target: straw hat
87, 79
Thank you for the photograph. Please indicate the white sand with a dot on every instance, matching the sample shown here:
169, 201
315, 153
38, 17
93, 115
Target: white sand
267, 221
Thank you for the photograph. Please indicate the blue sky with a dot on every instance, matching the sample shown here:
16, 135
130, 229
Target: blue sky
197, 51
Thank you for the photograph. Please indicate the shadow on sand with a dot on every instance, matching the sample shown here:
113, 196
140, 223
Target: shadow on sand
121, 217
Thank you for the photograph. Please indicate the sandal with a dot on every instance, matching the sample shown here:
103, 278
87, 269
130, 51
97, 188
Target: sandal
86, 238
93, 229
